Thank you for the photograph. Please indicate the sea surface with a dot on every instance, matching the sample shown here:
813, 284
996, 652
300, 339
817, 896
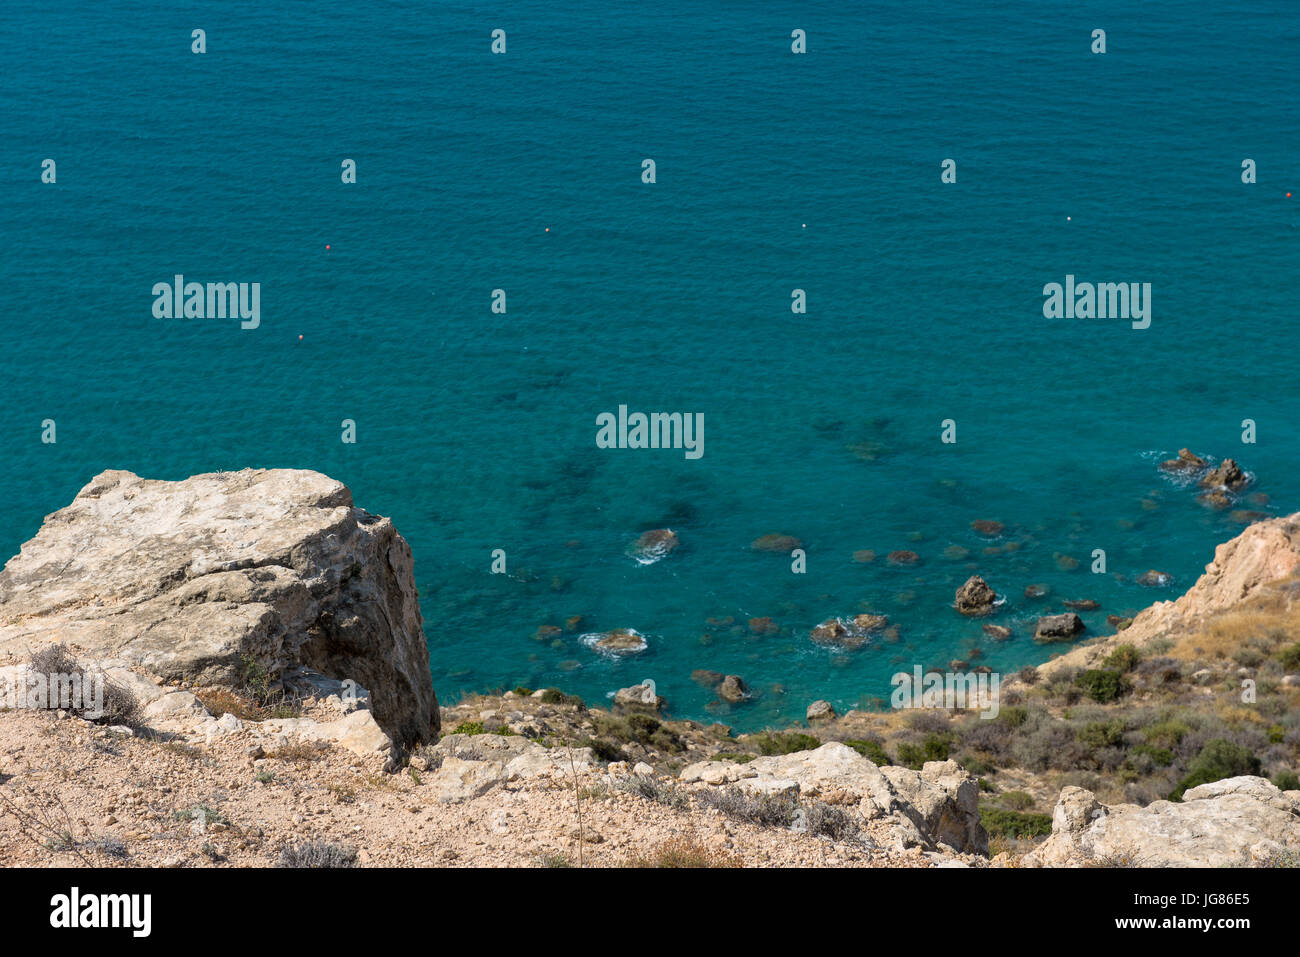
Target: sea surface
775, 171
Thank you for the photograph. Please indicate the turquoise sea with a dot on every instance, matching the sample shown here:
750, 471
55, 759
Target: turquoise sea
775, 171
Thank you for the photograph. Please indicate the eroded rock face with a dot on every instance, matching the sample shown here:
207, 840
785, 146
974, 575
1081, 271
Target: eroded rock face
1233, 822
933, 808
184, 580
1264, 555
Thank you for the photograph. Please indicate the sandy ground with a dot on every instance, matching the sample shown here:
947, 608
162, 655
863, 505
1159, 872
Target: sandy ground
73, 793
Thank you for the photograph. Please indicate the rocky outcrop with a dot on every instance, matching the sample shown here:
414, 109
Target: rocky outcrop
1263, 555
468, 766
653, 545
640, 697
1058, 627
848, 633
191, 580
733, 689
975, 597
620, 641
1233, 822
935, 808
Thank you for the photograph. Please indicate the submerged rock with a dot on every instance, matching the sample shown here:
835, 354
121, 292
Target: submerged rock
1081, 604
987, 527
903, 557
1216, 499
707, 679
997, 632
776, 543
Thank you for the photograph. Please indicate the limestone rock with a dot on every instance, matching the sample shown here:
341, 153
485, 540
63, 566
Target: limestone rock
640, 697
1263, 556
820, 711
935, 807
184, 579
1233, 822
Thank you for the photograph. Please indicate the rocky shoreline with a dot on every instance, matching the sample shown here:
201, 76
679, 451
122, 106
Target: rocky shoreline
274, 705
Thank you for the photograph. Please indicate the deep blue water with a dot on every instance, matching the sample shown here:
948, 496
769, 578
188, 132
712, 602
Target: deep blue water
477, 431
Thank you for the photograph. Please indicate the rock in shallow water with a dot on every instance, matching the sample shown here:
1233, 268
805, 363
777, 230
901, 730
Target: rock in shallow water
975, 597
1058, 627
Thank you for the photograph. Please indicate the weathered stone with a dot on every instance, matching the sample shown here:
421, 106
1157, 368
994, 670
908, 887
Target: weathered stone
1233, 822
1058, 627
653, 545
640, 697
1187, 461
975, 597
187, 580
733, 689
1228, 475
820, 711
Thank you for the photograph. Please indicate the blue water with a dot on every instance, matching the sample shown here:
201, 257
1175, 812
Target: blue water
476, 431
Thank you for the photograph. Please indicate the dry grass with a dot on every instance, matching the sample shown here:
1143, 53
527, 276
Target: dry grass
683, 852
221, 701
300, 752
1266, 621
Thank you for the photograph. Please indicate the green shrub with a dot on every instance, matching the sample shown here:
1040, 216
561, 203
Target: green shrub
556, 696
1123, 659
1003, 823
1287, 781
1219, 759
1018, 800
1166, 733
872, 750
1013, 717
740, 757
933, 748
1101, 734
469, 727
1162, 757
1102, 686
1290, 657
604, 750
787, 742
